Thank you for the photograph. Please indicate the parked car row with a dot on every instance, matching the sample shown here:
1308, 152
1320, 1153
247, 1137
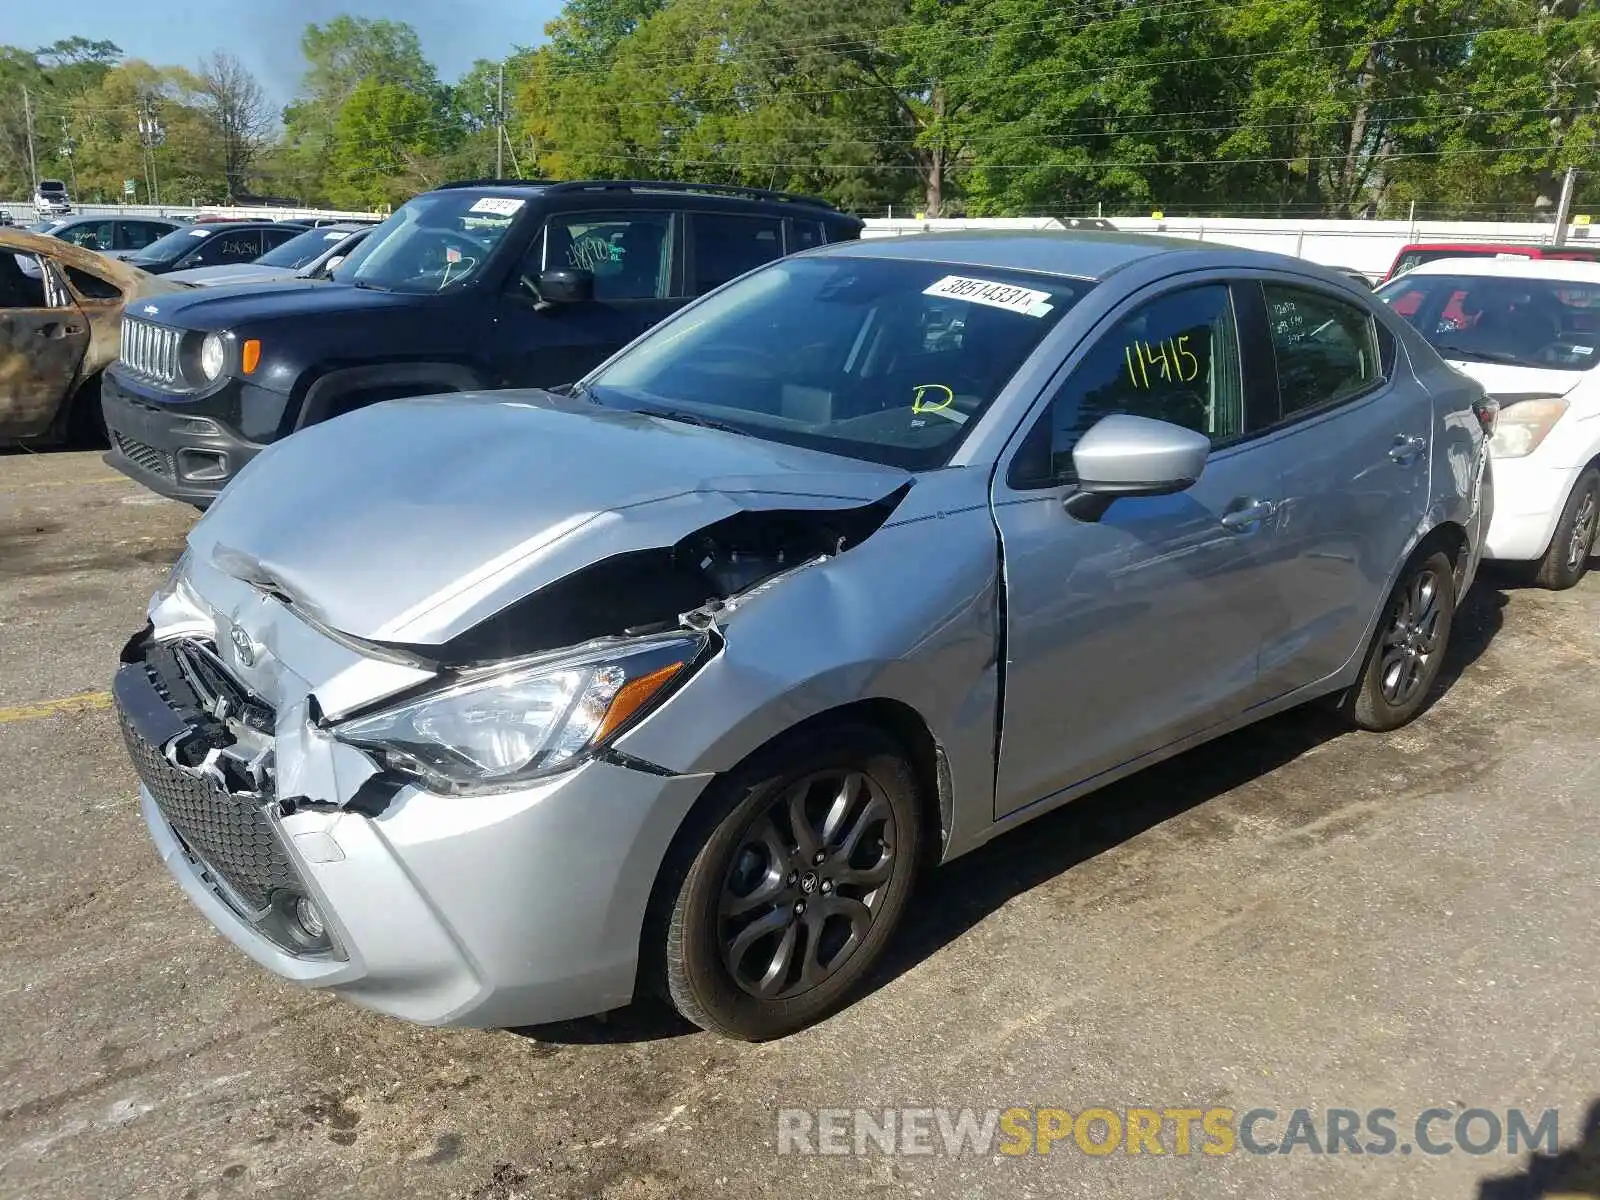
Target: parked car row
691, 596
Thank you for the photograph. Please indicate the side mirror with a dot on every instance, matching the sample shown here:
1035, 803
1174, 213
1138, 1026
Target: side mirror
329, 267
1124, 455
566, 285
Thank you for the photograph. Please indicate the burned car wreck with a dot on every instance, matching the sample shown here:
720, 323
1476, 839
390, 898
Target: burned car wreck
60, 322
511, 707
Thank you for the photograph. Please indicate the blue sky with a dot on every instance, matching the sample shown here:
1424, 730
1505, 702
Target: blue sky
265, 34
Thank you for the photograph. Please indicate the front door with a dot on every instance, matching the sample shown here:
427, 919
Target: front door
637, 272
1354, 447
1130, 632
43, 337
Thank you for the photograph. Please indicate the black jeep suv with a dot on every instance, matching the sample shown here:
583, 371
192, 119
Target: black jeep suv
482, 284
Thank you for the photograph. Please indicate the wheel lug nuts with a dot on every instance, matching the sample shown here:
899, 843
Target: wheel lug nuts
827, 886
818, 857
799, 908
794, 877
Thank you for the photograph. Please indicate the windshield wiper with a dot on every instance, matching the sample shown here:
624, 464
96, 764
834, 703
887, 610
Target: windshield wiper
689, 418
1487, 356
367, 287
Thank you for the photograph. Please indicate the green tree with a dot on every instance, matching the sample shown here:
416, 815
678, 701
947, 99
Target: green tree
385, 143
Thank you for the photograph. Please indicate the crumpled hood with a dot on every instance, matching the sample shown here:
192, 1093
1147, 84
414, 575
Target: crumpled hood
1503, 381
412, 521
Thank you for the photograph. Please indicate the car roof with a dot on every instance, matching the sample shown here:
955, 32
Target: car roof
1570, 270
1077, 254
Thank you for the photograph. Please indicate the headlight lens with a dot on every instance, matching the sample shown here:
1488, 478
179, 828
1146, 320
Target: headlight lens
212, 356
509, 726
1523, 425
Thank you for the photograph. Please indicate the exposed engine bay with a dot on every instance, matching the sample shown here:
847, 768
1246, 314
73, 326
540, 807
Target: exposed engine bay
651, 591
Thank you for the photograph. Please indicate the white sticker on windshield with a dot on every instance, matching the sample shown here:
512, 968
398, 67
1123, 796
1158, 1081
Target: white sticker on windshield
335, 236
1583, 349
996, 295
1512, 257
502, 205
199, 233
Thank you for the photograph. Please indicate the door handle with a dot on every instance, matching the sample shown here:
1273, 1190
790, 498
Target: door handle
1250, 512
1406, 448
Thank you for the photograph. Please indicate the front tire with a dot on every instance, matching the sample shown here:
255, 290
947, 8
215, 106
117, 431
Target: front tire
1567, 559
1408, 648
790, 896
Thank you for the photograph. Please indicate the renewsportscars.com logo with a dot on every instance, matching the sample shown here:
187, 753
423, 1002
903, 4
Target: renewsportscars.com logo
1098, 1132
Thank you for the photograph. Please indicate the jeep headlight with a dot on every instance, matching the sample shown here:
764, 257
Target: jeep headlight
213, 356
504, 726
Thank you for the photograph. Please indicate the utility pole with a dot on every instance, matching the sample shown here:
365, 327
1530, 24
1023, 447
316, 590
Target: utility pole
500, 124
27, 113
1564, 207
151, 135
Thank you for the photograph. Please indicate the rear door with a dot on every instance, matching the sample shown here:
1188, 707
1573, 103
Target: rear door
1127, 633
224, 247
1353, 442
43, 337
636, 262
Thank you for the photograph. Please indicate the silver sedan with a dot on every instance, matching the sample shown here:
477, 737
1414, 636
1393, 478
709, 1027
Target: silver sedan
503, 708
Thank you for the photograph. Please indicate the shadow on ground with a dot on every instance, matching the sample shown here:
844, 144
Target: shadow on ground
1569, 1175
957, 897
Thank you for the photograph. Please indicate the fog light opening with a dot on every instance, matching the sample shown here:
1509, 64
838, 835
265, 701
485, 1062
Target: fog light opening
309, 919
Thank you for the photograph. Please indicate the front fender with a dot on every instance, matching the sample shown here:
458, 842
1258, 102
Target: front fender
910, 615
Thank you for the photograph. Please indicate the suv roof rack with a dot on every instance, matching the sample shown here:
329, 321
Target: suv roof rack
647, 185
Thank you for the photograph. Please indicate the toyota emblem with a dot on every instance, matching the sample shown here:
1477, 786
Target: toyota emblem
243, 648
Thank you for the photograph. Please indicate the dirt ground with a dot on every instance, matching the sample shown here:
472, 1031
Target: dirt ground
1291, 917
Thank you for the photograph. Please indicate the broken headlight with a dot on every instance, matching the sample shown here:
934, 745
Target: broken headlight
514, 724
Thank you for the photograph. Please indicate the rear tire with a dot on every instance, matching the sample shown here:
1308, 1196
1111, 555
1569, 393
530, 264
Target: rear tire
1567, 559
86, 420
787, 894
1408, 648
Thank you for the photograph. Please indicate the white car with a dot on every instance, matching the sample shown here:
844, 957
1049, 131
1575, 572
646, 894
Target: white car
1529, 332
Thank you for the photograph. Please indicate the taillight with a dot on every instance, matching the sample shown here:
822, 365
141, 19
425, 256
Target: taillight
1487, 411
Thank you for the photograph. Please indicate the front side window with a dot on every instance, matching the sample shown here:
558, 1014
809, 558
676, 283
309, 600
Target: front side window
726, 246
806, 235
1174, 359
436, 242
886, 360
1326, 350
91, 235
1548, 323
629, 254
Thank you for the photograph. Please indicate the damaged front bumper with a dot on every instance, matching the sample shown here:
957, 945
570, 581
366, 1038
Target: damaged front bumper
508, 909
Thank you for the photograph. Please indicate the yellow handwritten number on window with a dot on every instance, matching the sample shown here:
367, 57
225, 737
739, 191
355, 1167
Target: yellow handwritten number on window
1171, 360
920, 405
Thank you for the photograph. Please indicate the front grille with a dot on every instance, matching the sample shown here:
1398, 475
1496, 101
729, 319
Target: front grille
229, 833
151, 350
158, 462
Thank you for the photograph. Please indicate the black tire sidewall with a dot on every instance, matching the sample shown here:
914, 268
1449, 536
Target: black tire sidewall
699, 984
1553, 570
1371, 710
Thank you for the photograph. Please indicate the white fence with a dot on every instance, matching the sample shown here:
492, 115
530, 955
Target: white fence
1366, 246
22, 211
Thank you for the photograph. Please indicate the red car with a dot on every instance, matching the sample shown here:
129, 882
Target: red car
1421, 252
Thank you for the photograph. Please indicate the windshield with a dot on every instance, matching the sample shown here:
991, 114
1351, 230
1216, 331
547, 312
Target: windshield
1546, 323
174, 243
436, 241
44, 226
880, 359
301, 249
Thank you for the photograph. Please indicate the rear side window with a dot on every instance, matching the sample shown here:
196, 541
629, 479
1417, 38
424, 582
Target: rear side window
136, 235
222, 248
806, 235
1326, 350
91, 287
725, 247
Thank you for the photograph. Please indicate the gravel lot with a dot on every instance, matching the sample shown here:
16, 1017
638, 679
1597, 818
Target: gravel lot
1291, 917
